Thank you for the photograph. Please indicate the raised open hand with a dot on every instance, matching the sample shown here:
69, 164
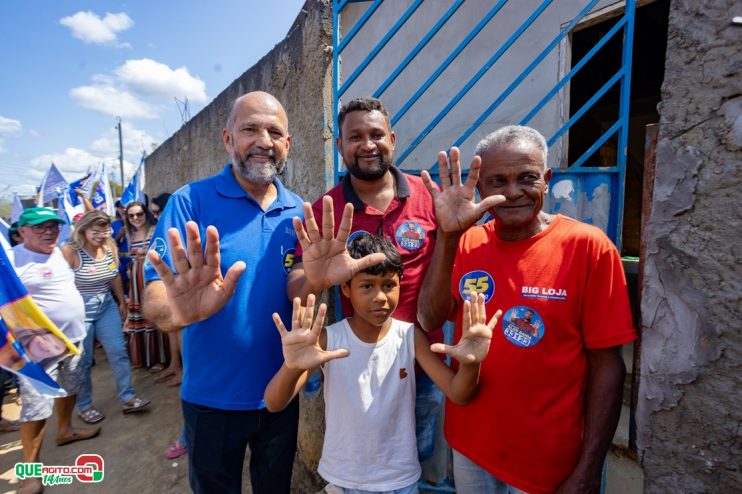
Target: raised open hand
476, 334
325, 257
198, 290
454, 204
301, 348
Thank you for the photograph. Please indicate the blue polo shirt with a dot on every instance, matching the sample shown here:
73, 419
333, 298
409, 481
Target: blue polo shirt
229, 358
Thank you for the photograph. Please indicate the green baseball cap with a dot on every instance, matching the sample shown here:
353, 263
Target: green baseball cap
35, 216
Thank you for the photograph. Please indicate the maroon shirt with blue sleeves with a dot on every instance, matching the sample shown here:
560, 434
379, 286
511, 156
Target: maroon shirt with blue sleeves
409, 222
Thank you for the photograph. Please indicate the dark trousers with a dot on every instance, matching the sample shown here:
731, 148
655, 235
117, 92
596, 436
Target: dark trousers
217, 440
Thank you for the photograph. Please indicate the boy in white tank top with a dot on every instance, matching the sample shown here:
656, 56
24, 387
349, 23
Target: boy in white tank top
368, 362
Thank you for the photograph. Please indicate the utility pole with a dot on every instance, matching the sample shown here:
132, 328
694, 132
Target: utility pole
121, 153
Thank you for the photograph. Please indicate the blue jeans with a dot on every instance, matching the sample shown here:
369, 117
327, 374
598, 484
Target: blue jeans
217, 440
102, 321
428, 402
470, 478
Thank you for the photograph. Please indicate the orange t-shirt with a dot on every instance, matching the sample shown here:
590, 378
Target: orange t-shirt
561, 292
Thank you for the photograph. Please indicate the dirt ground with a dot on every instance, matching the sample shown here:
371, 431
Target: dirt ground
132, 446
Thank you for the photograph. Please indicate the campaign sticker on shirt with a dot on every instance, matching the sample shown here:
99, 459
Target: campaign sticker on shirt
523, 326
355, 234
477, 282
288, 259
410, 235
159, 246
113, 267
45, 272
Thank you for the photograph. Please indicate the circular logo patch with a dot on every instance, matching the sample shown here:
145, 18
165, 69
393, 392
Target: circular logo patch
45, 273
477, 282
523, 326
410, 235
288, 260
159, 246
355, 234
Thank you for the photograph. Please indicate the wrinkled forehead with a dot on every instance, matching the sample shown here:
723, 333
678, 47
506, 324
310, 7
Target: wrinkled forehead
512, 155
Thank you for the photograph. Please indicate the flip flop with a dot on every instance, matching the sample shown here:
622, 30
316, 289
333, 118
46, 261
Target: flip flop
135, 405
165, 376
156, 368
176, 450
90, 415
80, 434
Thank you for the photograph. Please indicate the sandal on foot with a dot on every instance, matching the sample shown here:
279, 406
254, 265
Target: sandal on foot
135, 405
90, 415
165, 376
156, 368
176, 450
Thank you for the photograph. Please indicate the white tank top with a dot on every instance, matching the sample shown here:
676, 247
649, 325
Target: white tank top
50, 281
370, 410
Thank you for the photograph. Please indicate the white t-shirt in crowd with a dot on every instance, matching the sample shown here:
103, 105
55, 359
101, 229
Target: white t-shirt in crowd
51, 282
370, 439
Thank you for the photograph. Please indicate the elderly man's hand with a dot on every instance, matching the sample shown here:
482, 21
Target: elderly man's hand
198, 290
455, 208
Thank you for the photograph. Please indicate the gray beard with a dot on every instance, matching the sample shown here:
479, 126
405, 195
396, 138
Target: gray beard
258, 172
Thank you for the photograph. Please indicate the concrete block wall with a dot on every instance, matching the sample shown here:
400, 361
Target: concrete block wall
690, 405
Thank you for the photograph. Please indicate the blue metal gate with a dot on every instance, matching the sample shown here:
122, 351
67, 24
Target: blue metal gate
591, 193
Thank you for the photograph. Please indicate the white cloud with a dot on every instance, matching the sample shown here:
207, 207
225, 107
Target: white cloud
139, 89
8, 126
112, 101
91, 28
135, 141
148, 77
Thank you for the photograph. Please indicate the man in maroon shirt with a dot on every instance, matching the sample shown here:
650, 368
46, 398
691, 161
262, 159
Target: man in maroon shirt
395, 205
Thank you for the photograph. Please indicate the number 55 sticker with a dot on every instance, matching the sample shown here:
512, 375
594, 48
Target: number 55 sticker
477, 282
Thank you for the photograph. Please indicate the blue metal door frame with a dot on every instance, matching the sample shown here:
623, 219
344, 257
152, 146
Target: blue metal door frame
580, 171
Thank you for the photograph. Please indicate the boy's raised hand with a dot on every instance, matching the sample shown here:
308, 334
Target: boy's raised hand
301, 348
476, 333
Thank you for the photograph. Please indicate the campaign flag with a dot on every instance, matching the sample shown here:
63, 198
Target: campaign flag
29, 341
84, 184
17, 208
135, 190
50, 184
4, 229
67, 211
103, 197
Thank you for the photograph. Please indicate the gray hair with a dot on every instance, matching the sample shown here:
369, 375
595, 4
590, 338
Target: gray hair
510, 134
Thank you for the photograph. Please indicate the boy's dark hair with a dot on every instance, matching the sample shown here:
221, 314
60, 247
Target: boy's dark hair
361, 104
365, 244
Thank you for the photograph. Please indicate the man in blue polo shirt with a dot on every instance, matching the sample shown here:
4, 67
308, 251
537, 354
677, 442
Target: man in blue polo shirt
230, 347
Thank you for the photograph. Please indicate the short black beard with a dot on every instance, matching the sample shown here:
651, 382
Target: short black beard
369, 176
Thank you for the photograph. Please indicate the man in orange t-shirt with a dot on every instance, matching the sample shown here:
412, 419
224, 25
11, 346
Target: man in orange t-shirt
550, 390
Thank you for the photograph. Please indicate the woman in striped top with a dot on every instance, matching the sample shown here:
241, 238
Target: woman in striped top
93, 257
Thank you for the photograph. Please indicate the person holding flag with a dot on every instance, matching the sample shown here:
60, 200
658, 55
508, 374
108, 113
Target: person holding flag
44, 272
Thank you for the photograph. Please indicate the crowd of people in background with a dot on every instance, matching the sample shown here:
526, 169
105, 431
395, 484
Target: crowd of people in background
102, 268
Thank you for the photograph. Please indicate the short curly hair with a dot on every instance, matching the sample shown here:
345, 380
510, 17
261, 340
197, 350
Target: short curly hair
361, 104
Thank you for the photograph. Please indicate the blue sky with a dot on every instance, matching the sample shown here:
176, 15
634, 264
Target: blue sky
69, 68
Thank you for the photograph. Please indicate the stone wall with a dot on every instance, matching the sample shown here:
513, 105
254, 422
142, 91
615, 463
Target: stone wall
690, 403
298, 71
